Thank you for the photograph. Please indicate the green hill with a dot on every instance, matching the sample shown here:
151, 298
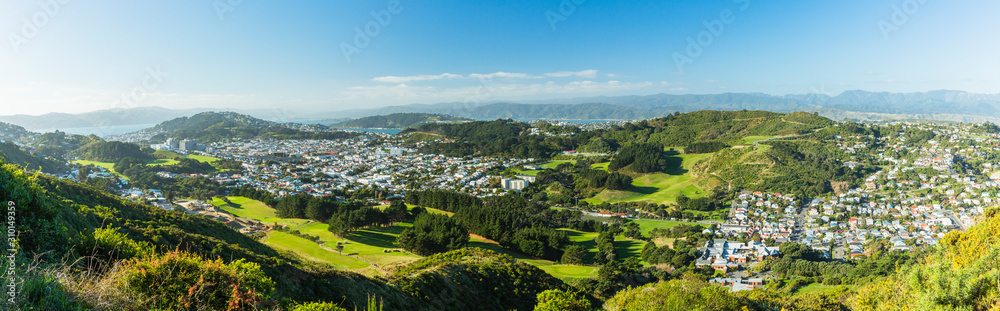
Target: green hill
398, 120
220, 126
13, 154
683, 129
111, 151
470, 278
11, 132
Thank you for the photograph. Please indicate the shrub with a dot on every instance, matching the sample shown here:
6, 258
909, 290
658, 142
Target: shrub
557, 300
109, 244
182, 281
317, 306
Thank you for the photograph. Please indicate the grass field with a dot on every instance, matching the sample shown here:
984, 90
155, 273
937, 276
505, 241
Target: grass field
245, 207
162, 162
559, 271
600, 166
647, 225
553, 164
367, 244
202, 158
546, 165
311, 251
172, 158
106, 165
750, 140
660, 188
370, 244
819, 288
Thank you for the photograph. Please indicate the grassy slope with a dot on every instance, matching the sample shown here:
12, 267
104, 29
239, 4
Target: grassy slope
647, 225
106, 165
366, 244
369, 244
819, 288
546, 165
659, 188
169, 161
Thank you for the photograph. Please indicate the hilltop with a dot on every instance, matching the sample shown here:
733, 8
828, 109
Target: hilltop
11, 153
220, 126
398, 121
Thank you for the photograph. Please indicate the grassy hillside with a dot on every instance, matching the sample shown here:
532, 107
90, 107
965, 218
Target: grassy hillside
12, 154
466, 279
679, 130
662, 188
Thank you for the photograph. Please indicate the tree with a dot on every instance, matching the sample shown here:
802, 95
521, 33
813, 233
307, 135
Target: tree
574, 254
320, 208
557, 300
433, 233
338, 226
340, 248
397, 211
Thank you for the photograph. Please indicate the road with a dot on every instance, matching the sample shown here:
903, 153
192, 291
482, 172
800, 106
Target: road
800, 221
955, 219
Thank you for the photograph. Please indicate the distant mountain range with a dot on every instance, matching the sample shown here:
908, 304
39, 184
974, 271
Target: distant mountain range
108, 117
859, 105
398, 121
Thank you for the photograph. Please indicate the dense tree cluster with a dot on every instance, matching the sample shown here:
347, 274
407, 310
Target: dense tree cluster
639, 158
348, 221
190, 166
509, 220
604, 179
606, 247
706, 204
498, 138
807, 169
678, 256
433, 233
111, 151
705, 147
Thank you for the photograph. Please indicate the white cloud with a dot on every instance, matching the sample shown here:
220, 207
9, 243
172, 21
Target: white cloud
407, 94
590, 73
395, 79
499, 74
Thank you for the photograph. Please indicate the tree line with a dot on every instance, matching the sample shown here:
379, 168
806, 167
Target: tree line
639, 158
504, 219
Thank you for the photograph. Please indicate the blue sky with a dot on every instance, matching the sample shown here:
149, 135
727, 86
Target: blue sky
75, 56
